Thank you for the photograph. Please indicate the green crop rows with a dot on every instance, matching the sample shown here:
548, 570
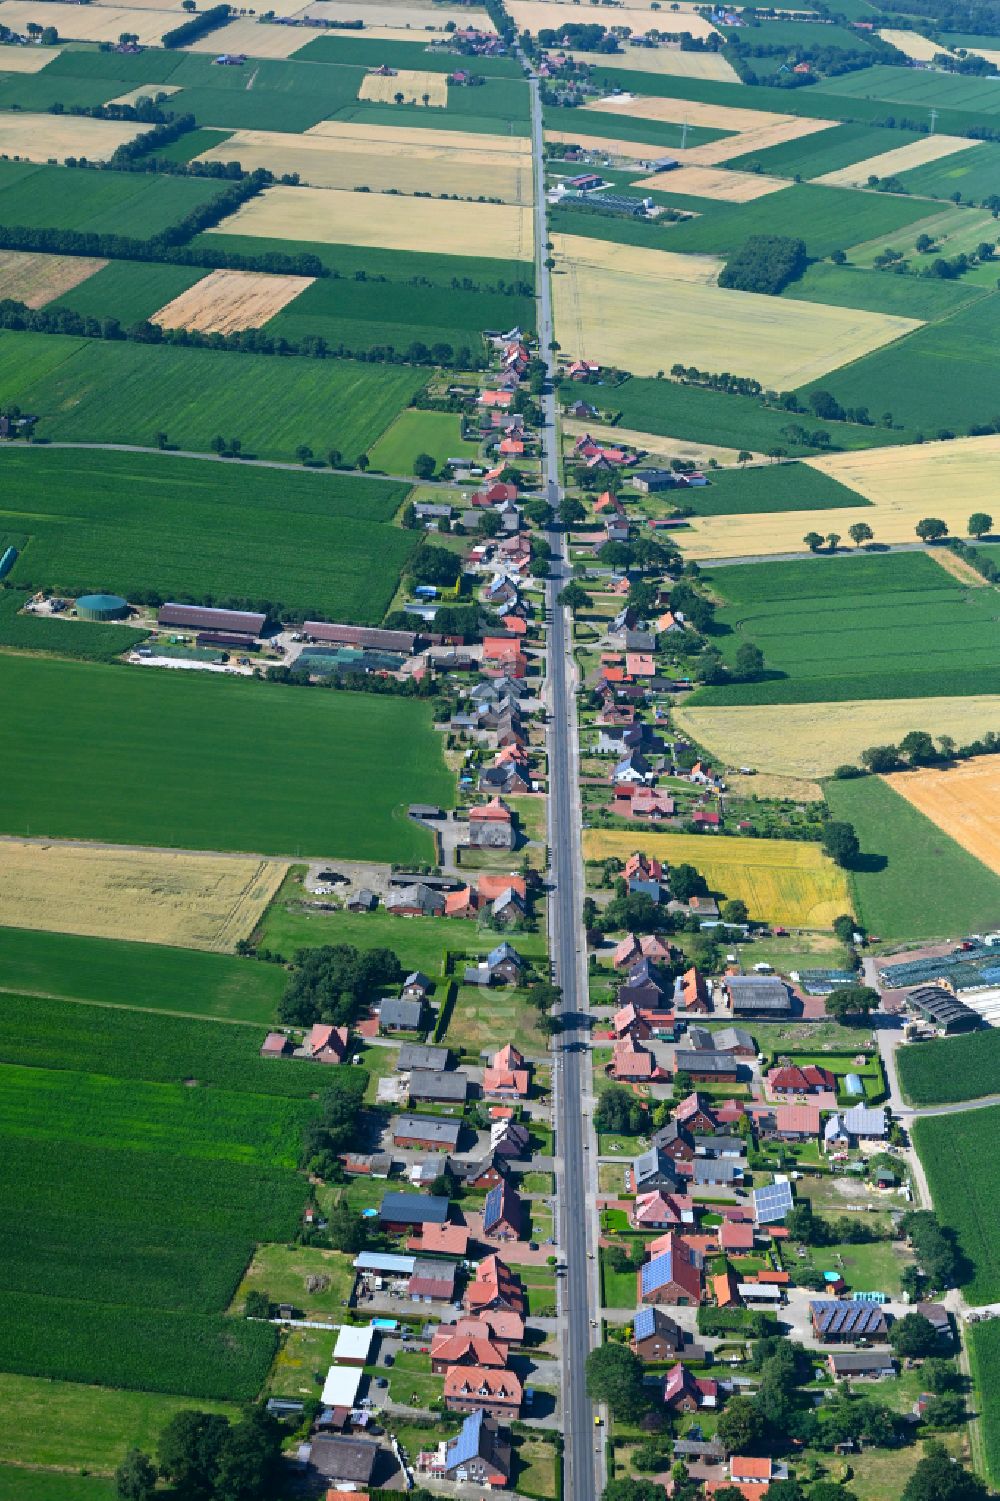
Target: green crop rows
122, 203
64, 638
950, 1068
963, 1179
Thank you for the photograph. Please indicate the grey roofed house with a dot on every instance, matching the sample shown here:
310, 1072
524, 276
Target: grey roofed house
758, 994
417, 983
507, 900
362, 901
734, 1039
719, 1146
873, 1363
700, 1040
405, 1015
419, 896
870, 1125
691, 1061
716, 1170
653, 1169
416, 1055
640, 641
413, 1209
433, 1084
707, 1450
344, 1459
436, 1130
937, 1315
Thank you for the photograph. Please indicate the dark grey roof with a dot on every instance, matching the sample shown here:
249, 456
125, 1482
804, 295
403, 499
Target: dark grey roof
694, 1062
435, 1129
416, 1055
653, 1164
413, 1209
431, 1084
860, 1362
396, 1012
349, 1459
729, 1038
758, 993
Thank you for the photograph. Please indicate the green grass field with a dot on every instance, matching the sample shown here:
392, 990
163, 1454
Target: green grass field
774, 487
126, 522
950, 1068
703, 416
97, 392
129, 290
920, 91
927, 298
826, 151
911, 881
89, 640
626, 128
984, 1359
974, 173
150, 977
122, 203
192, 144
891, 625
941, 376
415, 432
963, 1183
183, 759
36, 91
40, 1485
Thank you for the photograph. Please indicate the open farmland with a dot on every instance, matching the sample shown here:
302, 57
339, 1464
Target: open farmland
901, 159
148, 91
963, 800
642, 310
124, 203
37, 280
901, 485
130, 291
422, 88
768, 488
973, 173
225, 302
196, 901
711, 182
89, 23
150, 977
949, 1069
920, 49
984, 1361
253, 38
667, 60
911, 880
655, 444
140, 511
340, 154
868, 626
798, 741
918, 89
107, 392
536, 15
96, 731
925, 297
380, 219
397, 15
964, 1185
27, 59
96, 642
780, 880
825, 151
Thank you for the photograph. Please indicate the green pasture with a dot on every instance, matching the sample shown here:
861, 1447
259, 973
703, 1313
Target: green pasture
919, 89
146, 976
625, 127
415, 432
137, 204
826, 151
910, 296
198, 761
984, 1359
911, 880
974, 173
962, 1175
418, 56
128, 522
891, 625
93, 391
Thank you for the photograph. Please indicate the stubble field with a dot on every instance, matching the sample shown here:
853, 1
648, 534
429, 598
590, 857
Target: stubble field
963, 800
706, 182
37, 280
40, 138
195, 901
536, 15
421, 88
90, 23
780, 880
225, 302
668, 61
902, 159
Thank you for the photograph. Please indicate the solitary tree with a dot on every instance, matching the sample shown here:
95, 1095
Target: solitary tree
615, 1376
362, 462
423, 465
734, 911
334, 457
574, 597
743, 457
980, 524
840, 842
749, 661
426, 99
931, 529
860, 532
135, 1477
398, 96
832, 540
813, 541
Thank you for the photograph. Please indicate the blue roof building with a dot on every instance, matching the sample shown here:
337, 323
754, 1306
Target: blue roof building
478, 1454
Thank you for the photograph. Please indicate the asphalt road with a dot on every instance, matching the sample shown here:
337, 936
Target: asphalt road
584, 1452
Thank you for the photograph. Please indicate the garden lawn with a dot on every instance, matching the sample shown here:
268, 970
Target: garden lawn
618, 1289
110, 392
484, 1019
60, 1423
871, 626
865, 1268
282, 1273
963, 1176
438, 434
950, 1068
198, 761
911, 880
125, 521
149, 977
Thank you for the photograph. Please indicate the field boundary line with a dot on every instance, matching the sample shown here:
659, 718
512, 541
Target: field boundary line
215, 458
79, 1000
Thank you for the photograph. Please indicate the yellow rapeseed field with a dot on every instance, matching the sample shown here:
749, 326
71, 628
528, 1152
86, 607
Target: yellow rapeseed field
964, 801
812, 740
415, 87
781, 880
901, 159
497, 230
195, 901
36, 279
643, 310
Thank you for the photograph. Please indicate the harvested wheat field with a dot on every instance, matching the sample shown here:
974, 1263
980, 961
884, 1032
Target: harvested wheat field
963, 801
669, 62
781, 880
255, 38
914, 154
536, 15
919, 48
37, 279
991, 54
380, 158
708, 182
145, 91
26, 59
950, 480
676, 111
643, 311
332, 217
195, 901
632, 151
395, 14
225, 302
430, 89
654, 444
41, 137
812, 740
89, 23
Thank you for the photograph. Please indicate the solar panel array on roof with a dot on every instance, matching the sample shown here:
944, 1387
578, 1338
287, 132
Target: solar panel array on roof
465, 1445
644, 1323
657, 1273
772, 1202
493, 1207
833, 1317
